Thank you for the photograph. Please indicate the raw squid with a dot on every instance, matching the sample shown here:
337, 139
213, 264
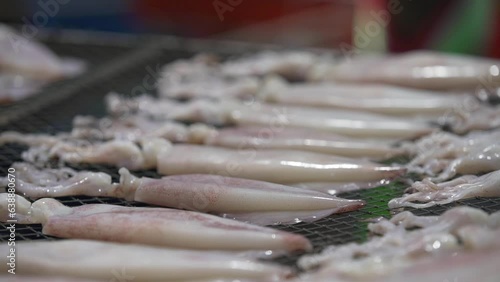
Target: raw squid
467, 266
450, 221
201, 76
448, 154
293, 65
461, 113
335, 188
376, 98
259, 137
352, 123
30, 58
428, 70
204, 76
477, 237
398, 242
15, 87
247, 200
131, 128
117, 152
474, 118
31, 139
279, 166
423, 194
213, 87
401, 245
473, 227
137, 127
462, 266
25, 65
110, 261
151, 226
29, 278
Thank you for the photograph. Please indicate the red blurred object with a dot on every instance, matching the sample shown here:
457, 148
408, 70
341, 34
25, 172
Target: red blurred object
295, 22
494, 49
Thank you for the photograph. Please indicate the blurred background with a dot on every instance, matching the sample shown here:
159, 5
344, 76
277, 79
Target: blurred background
460, 26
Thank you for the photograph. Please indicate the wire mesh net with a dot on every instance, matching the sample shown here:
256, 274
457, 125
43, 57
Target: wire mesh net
86, 98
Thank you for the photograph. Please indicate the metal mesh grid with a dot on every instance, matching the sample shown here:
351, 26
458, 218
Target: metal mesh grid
87, 98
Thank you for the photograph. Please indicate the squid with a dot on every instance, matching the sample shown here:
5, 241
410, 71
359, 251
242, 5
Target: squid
292, 65
226, 112
450, 221
460, 113
30, 278
448, 155
426, 70
32, 59
26, 65
407, 239
423, 194
461, 266
114, 261
16, 87
247, 200
477, 237
466, 266
130, 128
278, 166
272, 165
136, 127
202, 76
302, 139
470, 118
241, 141
475, 229
377, 98
150, 226
335, 188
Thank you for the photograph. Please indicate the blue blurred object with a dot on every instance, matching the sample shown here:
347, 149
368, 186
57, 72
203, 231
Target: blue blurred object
110, 15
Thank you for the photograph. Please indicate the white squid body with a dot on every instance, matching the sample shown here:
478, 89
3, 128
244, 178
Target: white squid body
110, 261
260, 137
335, 188
247, 200
274, 116
351, 123
150, 226
401, 246
278, 166
428, 70
122, 152
377, 98
136, 127
425, 193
